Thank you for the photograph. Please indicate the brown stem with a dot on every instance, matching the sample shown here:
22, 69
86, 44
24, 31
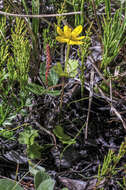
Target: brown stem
62, 93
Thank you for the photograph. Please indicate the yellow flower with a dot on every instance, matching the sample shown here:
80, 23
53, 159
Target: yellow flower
70, 36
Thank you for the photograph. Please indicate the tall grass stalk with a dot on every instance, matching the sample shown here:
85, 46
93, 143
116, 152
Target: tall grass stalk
113, 37
35, 21
34, 30
35, 11
77, 6
108, 8
26, 10
94, 7
82, 12
84, 53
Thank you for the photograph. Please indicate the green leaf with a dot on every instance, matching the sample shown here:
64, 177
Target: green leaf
46, 147
3, 76
72, 67
52, 75
28, 136
7, 134
53, 93
64, 138
35, 88
47, 184
6, 184
59, 70
40, 177
34, 151
39, 90
42, 72
71, 70
34, 169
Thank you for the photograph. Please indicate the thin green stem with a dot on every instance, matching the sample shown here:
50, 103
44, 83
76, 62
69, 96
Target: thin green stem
82, 12
67, 58
65, 71
95, 14
82, 73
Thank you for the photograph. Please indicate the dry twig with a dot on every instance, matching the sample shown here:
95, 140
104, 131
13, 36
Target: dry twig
38, 16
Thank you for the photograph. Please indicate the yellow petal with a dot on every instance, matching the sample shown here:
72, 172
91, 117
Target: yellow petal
79, 38
67, 31
77, 31
59, 31
62, 39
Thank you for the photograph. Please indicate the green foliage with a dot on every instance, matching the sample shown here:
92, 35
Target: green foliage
83, 54
123, 184
34, 151
7, 134
34, 25
53, 77
47, 184
7, 184
78, 5
28, 137
35, 21
108, 8
3, 44
8, 112
61, 9
39, 177
6, 115
34, 169
59, 70
98, 2
33, 31
70, 71
64, 138
39, 90
72, 67
25, 6
104, 86
113, 37
109, 168
43, 181
52, 81
13, 70
18, 65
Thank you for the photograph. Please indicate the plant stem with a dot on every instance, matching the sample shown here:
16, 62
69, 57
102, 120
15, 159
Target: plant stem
65, 71
82, 14
96, 17
82, 73
67, 58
